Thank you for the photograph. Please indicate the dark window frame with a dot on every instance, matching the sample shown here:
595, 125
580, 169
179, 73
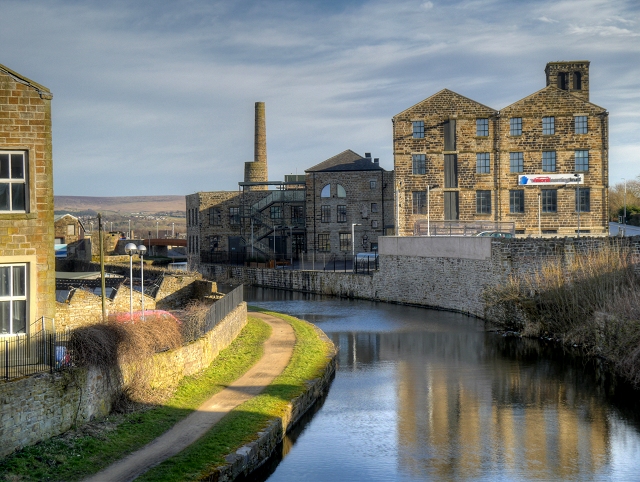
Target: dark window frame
581, 124
418, 164
483, 202
516, 162
583, 197
419, 202
234, 215
582, 160
548, 125
549, 200
549, 161
483, 163
344, 240
324, 242
516, 201
325, 214
482, 127
418, 129
515, 126
341, 213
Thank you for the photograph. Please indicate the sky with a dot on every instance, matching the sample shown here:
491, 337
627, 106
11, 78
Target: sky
156, 97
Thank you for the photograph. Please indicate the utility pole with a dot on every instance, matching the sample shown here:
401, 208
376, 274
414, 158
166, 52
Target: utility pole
102, 283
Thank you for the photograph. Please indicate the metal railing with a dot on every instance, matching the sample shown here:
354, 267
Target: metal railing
423, 227
23, 355
222, 308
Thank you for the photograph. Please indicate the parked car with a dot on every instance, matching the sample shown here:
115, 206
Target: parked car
495, 234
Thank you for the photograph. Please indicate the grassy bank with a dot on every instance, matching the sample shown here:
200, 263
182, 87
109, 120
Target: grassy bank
242, 424
76, 454
591, 300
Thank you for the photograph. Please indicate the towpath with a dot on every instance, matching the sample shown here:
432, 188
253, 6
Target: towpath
277, 352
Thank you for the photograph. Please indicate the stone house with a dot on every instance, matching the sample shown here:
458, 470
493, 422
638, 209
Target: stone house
348, 194
68, 229
27, 265
540, 163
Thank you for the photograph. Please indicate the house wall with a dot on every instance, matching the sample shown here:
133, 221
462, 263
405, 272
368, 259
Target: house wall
61, 227
25, 125
358, 201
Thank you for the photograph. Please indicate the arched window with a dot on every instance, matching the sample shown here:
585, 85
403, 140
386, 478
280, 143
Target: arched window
326, 191
341, 191
577, 81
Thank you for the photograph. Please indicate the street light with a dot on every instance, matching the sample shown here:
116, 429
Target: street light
142, 249
129, 235
624, 217
353, 238
131, 249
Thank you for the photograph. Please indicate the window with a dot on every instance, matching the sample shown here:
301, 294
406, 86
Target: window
516, 161
516, 201
450, 170
515, 126
580, 124
374, 224
418, 129
325, 214
450, 135
549, 161
419, 202
215, 217
374, 207
482, 163
71, 229
13, 182
13, 298
341, 214
323, 242
214, 242
577, 81
297, 215
345, 241
563, 80
341, 191
372, 184
483, 202
549, 200
275, 212
583, 200
234, 215
419, 162
326, 191
582, 160
482, 127
548, 126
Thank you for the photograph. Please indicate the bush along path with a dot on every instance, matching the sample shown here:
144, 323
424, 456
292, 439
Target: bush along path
278, 349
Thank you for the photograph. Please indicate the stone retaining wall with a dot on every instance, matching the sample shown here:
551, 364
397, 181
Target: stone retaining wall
251, 456
42, 406
437, 272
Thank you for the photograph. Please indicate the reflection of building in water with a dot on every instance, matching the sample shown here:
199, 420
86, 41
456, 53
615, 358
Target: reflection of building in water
356, 348
453, 422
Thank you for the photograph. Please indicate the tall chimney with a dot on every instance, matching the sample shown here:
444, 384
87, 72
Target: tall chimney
257, 171
260, 143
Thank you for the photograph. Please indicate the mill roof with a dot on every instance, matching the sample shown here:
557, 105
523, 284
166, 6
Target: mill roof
346, 161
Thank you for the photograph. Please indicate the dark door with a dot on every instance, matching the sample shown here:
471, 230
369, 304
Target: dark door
451, 205
450, 170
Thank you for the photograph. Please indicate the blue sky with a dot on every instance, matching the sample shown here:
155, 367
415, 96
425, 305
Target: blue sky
157, 97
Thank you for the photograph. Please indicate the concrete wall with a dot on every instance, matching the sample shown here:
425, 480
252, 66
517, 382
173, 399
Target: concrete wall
42, 406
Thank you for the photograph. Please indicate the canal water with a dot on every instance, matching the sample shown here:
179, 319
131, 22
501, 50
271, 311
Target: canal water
425, 395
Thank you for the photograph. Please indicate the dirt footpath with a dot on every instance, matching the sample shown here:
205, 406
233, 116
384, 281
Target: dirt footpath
277, 353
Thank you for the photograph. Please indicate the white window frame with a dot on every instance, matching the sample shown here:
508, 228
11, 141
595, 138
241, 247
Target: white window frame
11, 181
11, 297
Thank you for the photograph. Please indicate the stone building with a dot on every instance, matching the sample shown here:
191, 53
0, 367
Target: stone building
68, 229
27, 264
346, 190
540, 163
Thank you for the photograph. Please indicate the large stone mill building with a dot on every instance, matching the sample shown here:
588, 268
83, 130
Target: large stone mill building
27, 264
540, 163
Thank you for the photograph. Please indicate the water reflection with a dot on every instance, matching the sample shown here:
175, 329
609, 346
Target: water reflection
429, 395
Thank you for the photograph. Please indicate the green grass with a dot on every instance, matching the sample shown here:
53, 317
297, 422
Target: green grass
243, 423
73, 457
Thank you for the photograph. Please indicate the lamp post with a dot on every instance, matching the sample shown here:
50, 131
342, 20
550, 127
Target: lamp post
624, 216
142, 249
173, 230
130, 249
539, 211
157, 229
353, 238
129, 234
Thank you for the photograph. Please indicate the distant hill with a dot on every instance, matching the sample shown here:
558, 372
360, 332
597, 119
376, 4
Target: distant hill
121, 204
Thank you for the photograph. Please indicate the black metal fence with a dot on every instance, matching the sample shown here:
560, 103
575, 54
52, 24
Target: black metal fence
362, 263
22, 355
221, 308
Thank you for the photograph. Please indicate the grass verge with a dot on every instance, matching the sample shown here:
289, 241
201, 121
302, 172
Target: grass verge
76, 454
242, 424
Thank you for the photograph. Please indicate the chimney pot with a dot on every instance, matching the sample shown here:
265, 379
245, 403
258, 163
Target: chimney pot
367, 155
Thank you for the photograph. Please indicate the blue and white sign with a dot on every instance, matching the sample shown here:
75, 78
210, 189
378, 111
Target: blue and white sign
550, 179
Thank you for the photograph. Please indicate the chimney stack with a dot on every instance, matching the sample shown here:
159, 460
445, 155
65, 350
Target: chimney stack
257, 171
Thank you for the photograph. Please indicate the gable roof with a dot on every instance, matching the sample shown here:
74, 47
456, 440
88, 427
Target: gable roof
41, 89
555, 92
443, 93
346, 161
58, 217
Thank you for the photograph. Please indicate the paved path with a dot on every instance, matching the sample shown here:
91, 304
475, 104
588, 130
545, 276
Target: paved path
277, 353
